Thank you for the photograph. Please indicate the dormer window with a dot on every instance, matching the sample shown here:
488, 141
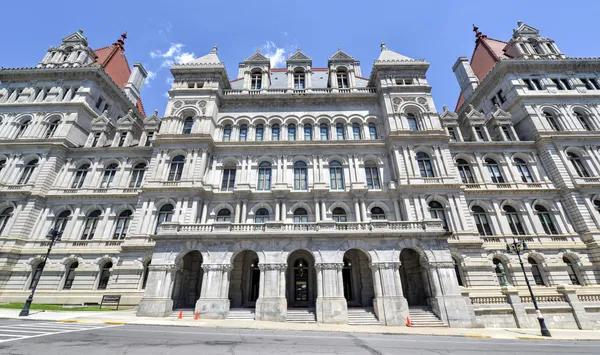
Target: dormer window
342, 79
299, 79
256, 80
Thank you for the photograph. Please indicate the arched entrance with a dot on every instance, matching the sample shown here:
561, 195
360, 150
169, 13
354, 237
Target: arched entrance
357, 279
301, 279
188, 281
245, 280
413, 276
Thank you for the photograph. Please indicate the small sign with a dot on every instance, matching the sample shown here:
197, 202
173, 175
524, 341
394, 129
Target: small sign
111, 299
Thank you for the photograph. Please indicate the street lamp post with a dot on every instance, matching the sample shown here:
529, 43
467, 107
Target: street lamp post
53, 236
517, 247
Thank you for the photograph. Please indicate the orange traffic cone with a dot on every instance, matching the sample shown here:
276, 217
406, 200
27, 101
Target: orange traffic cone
408, 323
196, 316
180, 316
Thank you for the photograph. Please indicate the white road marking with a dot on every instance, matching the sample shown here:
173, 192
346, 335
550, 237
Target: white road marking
43, 329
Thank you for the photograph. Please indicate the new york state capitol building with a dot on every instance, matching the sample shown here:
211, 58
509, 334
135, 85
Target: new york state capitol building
304, 193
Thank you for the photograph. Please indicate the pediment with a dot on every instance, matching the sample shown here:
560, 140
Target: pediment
75, 37
448, 115
473, 114
501, 114
341, 56
257, 57
152, 120
299, 56
101, 120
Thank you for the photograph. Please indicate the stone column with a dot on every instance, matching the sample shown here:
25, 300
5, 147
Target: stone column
272, 303
331, 304
157, 301
446, 300
389, 304
214, 302
581, 317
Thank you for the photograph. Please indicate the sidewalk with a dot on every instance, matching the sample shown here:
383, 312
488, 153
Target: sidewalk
129, 317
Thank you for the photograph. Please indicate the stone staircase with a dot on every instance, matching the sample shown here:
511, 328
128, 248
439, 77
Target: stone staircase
421, 316
301, 315
188, 313
362, 316
241, 314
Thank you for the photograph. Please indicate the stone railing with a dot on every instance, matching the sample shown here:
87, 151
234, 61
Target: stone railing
498, 239
508, 186
96, 191
489, 300
544, 299
308, 91
589, 298
586, 181
26, 188
63, 244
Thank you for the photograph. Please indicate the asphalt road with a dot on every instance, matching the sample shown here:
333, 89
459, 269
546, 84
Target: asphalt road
28, 337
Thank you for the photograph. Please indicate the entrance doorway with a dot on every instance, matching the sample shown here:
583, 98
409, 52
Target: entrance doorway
357, 279
245, 280
188, 281
301, 280
413, 276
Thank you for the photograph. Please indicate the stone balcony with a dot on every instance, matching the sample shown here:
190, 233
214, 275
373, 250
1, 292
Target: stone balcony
14, 189
533, 241
75, 244
508, 186
87, 191
299, 92
586, 182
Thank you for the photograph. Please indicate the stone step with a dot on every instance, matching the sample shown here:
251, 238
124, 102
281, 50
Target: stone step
362, 316
306, 315
423, 317
241, 314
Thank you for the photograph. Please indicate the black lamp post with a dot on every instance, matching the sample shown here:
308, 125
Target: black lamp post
53, 236
517, 246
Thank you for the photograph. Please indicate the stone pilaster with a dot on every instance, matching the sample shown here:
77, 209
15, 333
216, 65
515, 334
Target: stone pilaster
446, 300
331, 305
389, 304
157, 301
521, 318
214, 302
581, 317
272, 303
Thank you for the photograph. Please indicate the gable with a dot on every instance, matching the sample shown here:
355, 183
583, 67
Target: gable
257, 57
299, 56
341, 56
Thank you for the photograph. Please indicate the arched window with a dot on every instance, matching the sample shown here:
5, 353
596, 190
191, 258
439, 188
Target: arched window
291, 129
336, 175
356, 131
300, 176
372, 174
424, 163
437, 211
60, 222
109, 175
464, 170
340, 131
22, 127
582, 120
146, 272
578, 164
308, 132
275, 131
187, 125
501, 272
300, 215
28, 172
37, 273
377, 213
243, 133
256, 79
4, 217
342, 79
373, 131
573, 275
264, 176
339, 215
551, 120
228, 181
457, 271
2, 164
176, 169
224, 215
545, 219
91, 223
261, 216
227, 133
123, 222
536, 272
494, 170
104, 276
299, 79
324, 129
481, 221
52, 126
514, 220
80, 175
523, 170
536, 46
412, 122
137, 175
260, 132
597, 205
165, 214
70, 275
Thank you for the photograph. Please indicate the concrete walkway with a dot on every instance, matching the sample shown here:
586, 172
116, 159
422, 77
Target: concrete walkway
129, 317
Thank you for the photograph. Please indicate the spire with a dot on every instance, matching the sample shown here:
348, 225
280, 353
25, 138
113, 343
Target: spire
121, 41
478, 34
383, 47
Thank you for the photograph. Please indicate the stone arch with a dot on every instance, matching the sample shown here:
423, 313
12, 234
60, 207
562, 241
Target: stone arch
300, 204
259, 205
526, 157
291, 119
496, 157
357, 244
341, 205
294, 245
469, 158
308, 120
188, 111
381, 204
487, 207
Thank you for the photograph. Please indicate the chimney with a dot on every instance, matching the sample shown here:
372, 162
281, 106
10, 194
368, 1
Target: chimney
467, 80
136, 81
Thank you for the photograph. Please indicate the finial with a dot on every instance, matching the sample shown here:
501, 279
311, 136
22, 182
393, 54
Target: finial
121, 41
497, 106
445, 108
156, 113
383, 47
257, 50
339, 48
298, 49
478, 33
214, 50
471, 108
80, 31
130, 112
519, 23
105, 113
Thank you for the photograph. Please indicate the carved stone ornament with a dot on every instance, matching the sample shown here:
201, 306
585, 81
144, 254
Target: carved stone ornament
396, 101
217, 267
441, 265
201, 103
264, 267
386, 266
178, 104
190, 102
329, 266
162, 267
423, 101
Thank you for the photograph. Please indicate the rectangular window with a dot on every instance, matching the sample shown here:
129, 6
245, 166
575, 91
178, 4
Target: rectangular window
228, 182
587, 83
122, 139
479, 132
452, 134
566, 84
495, 101
507, 134
529, 84
558, 84
501, 96
307, 132
595, 83
324, 132
537, 84
106, 107
96, 139
149, 137
99, 102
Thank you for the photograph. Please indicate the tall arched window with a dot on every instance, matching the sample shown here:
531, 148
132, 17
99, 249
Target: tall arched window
536, 272
373, 131
457, 271
104, 276
372, 174
336, 175
300, 176
137, 175
300, 215
275, 132
109, 175
583, 121
28, 172
545, 219
597, 205
37, 272
464, 170
377, 213
291, 129
4, 217
573, 275
228, 181
264, 176
523, 170
412, 122
578, 164
308, 132
339, 215
514, 220
261, 216
2, 163
227, 133
324, 129
187, 125
243, 133
551, 120
60, 222
51, 129
80, 175
356, 131
340, 131
256, 79
91, 223
501, 272
176, 169
342, 78
424, 163
494, 170
437, 211
165, 214
123, 222
224, 215
481, 221
22, 128
70, 275
260, 132
299, 79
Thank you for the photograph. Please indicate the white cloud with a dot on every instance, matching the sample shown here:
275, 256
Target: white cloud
166, 94
274, 53
174, 49
151, 75
184, 58
173, 55
169, 80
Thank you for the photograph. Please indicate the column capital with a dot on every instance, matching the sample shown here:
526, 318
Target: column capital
217, 267
264, 267
394, 265
171, 267
329, 266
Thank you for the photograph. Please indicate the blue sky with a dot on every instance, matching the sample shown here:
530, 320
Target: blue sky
438, 31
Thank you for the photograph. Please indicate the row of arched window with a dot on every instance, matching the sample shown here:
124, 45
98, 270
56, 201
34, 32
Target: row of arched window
293, 133
554, 122
91, 222
108, 175
514, 219
504, 275
24, 124
467, 177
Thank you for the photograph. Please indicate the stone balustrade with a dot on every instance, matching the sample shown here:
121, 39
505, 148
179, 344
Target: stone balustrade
509, 186
95, 191
308, 91
542, 239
